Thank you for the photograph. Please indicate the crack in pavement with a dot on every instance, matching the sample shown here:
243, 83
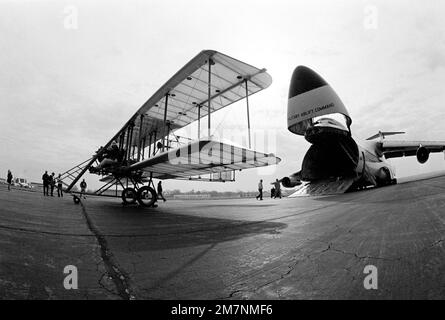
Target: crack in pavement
231, 294
118, 275
354, 254
298, 260
104, 286
53, 233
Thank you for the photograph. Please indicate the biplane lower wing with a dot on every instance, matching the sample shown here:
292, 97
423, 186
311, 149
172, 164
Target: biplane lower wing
203, 157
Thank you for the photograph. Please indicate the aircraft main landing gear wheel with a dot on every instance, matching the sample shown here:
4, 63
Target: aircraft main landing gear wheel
146, 196
129, 196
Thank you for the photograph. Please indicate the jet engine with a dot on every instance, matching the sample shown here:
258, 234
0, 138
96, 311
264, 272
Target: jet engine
384, 177
291, 181
422, 154
384, 174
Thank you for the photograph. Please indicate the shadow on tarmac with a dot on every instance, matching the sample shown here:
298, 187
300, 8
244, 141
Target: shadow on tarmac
162, 228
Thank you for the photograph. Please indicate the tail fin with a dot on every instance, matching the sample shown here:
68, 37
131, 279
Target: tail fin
385, 133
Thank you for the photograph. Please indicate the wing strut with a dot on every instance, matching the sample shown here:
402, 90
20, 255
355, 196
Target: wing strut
154, 143
199, 121
139, 138
149, 144
248, 115
143, 148
165, 121
129, 140
210, 93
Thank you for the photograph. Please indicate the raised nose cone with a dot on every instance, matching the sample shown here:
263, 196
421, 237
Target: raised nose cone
310, 96
303, 80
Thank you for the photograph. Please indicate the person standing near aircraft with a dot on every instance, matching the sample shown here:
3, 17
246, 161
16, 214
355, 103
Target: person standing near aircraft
160, 195
52, 183
9, 180
260, 190
277, 187
83, 188
59, 186
45, 179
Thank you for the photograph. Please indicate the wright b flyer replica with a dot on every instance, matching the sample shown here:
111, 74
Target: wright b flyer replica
147, 147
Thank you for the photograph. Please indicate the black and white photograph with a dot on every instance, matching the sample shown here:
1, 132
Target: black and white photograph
223, 156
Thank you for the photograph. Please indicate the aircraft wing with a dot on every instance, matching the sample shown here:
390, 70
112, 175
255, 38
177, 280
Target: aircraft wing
202, 157
207, 83
395, 149
184, 98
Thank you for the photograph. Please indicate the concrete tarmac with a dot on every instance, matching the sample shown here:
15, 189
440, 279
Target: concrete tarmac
299, 248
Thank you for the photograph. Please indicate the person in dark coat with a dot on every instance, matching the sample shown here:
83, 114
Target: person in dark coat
9, 179
260, 190
45, 179
277, 187
59, 186
160, 195
83, 189
52, 183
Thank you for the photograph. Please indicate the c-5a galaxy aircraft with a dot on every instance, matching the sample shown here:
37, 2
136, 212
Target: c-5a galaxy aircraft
147, 146
336, 162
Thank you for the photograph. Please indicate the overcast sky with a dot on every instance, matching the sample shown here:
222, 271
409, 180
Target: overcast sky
66, 91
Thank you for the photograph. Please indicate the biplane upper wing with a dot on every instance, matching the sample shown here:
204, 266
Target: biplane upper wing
203, 157
395, 149
207, 83
185, 97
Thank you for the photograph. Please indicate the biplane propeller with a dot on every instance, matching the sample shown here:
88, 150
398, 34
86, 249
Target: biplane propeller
147, 146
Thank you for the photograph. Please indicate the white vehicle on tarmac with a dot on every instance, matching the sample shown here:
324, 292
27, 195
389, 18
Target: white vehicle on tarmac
21, 182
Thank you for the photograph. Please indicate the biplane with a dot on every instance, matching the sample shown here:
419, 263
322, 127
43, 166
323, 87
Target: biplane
147, 146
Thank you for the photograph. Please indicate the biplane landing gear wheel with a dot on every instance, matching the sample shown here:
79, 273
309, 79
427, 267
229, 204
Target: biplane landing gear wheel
129, 196
146, 196
76, 199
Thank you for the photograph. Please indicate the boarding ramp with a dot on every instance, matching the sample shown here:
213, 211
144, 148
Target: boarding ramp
322, 187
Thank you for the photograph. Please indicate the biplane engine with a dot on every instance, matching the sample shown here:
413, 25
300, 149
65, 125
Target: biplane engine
422, 154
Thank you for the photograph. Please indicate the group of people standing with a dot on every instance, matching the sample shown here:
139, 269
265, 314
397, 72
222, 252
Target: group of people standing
275, 192
50, 181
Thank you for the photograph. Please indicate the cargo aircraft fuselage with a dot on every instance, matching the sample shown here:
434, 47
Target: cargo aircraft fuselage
335, 159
